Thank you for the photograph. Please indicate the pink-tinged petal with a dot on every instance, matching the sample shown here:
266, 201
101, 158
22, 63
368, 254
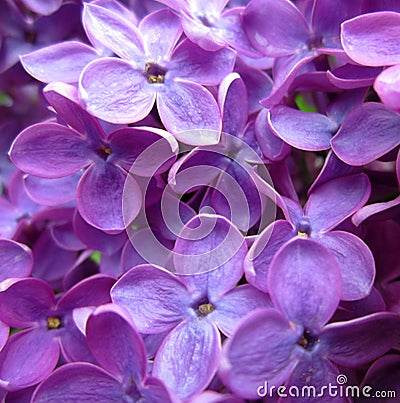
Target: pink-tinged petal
232, 100
263, 250
69, 151
210, 251
161, 31
373, 39
4, 331
60, 62
358, 142
334, 201
275, 27
155, 298
272, 146
79, 382
387, 87
99, 197
64, 99
235, 305
188, 358
28, 358
24, 302
359, 341
270, 356
313, 371
304, 130
92, 291
52, 192
15, 260
305, 283
192, 63
124, 357
190, 112
356, 263
379, 209
113, 31
113, 90
96, 239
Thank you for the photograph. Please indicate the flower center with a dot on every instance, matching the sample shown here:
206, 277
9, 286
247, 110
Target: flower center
103, 151
205, 309
304, 228
53, 322
154, 73
308, 341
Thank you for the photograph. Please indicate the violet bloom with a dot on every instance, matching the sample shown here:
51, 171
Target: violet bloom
293, 344
122, 374
373, 40
152, 68
328, 205
193, 303
207, 24
107, 158
30, 355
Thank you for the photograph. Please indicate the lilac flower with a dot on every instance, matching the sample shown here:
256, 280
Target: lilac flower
30, 355
193, 303
124, 90
293, 344
122, 374
328, 205
207, 24
372, 40
85, 145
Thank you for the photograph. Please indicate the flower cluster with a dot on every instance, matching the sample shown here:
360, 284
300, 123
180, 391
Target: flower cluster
199, 199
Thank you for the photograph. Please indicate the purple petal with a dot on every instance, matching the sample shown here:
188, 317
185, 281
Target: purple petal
359, 341
69, 151
113, 31
270, 342
275, 28
232, 100
210, 251
304, 130
154, 297
161, 30
387, 87
358, 142
305, 283
235, 305
46, 8
336, 200
356, 263
190, 112
263, 250
124, 357
15, 260
188, 358
28, 358
352, 76
60, 62
375, 209
79, 382
373, 39
25, 302
192, 63
4, 332
154, 390
99, 196
113, 90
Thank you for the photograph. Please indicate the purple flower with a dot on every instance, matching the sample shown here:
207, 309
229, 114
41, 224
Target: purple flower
30, 355
124, 90
107, 158
328, 205
122, 374
193, 303
293, 344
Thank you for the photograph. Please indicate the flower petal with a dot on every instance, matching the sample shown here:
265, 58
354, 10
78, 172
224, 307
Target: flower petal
188, 358
387, 87
69, 151
15, 260
305, 283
